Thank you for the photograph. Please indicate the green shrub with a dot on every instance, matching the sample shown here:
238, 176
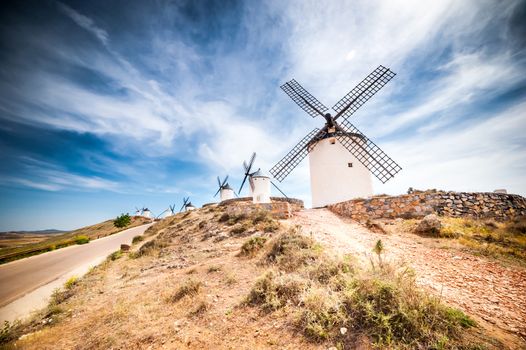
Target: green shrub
239, 228
292, 250
137, 239
122, 221
252, 246
115, 255
81, 239
71, 282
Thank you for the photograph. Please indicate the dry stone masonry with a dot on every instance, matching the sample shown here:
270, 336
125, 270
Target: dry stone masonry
497, 206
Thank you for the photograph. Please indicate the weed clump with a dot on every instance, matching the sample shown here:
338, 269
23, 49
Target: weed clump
224, 217
189, 288
252, 246
149, 248
239, 229
81, 239
137, 239
328, 295
292, 250
272, 292
115, 255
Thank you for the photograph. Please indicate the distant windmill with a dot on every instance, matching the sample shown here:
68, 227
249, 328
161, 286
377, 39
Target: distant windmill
259, 182
341, 157
225, 191
187, 205
138, 212
146, 212
168, 212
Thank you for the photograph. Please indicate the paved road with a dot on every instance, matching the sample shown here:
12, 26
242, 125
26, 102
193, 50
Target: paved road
20, 277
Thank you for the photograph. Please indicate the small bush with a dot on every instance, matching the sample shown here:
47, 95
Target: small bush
81, 239
322, 315
115, 255
224, 217
292, 250
239, 229
137, 239
235, 218
9, 332
252, 246
189, 288
71, 282
517, 226
261, 216
122, 221
272, 293
149, 248
271, 226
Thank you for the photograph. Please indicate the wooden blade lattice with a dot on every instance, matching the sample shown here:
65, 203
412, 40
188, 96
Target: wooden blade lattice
295, 156
304, 99
367, 152
363, 92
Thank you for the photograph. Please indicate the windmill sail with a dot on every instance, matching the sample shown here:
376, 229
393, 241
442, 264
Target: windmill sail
304, 99
366, 89
367, 152
295, 156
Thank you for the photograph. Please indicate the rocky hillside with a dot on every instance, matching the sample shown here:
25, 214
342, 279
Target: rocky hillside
215, 278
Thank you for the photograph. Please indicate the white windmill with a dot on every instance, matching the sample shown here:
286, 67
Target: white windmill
225, 191
341, 157
138, 212
187, 205
259, 183
146, 213
168, 212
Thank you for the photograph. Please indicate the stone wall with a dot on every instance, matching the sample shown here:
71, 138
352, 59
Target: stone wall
497, 206
280, 207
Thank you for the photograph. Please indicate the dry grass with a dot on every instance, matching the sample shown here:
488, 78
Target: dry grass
485, 237
328, 295
252, 246
190, 288
172, 299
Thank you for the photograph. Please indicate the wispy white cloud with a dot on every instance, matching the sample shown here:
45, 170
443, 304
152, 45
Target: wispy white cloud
85, 22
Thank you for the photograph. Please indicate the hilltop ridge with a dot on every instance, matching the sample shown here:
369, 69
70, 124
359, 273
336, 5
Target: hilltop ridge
223, 277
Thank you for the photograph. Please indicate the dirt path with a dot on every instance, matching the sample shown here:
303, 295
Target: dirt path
481, 287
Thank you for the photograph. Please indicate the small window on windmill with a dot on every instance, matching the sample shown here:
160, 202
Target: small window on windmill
349, 165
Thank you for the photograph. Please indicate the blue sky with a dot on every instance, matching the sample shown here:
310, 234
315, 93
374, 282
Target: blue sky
105, 106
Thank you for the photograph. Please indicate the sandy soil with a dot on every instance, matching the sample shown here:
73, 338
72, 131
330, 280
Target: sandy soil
494, 294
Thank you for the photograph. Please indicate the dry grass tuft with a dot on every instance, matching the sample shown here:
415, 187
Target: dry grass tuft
382, 303
190, 288
292, 250
273, 291
252, 246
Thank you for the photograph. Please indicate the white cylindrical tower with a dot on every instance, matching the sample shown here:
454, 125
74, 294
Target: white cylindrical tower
226, 192
261, 190
146, 213
335, 174
189, 207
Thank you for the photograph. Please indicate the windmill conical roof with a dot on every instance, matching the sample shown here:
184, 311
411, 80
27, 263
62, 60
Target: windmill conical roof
259, 173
